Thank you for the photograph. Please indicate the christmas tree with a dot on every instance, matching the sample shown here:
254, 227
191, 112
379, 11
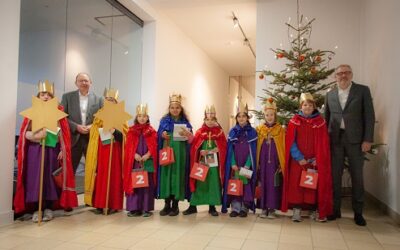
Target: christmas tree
306, 69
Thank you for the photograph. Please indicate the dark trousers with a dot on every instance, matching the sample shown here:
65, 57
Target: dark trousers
79, 149
355, 157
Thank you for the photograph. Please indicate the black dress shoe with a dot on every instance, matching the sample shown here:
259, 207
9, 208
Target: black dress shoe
359, 220
334, 216
191, 210
233, 214
167, 208
242, 214
213, 211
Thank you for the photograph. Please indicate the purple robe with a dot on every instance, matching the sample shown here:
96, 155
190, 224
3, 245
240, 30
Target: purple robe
32, 179
242, 151
143, 198
269, 163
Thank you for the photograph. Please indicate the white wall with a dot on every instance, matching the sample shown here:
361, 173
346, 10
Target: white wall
337, 23
9, 28
176, 65
380, 55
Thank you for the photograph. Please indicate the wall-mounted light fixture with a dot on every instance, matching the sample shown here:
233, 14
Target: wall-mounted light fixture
246, 41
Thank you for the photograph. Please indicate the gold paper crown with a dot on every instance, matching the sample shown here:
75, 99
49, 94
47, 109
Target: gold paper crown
243, 108
270, 104
306, 97
46, 86
113, 93
210, 110
141, 109
177, 98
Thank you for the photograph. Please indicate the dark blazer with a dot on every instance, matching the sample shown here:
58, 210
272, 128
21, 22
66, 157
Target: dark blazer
70, 101
358, 114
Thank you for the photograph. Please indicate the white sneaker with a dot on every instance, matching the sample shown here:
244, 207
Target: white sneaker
263, 214
271, 214
35, 217
313, 215
296, 215
48, 215
321, 219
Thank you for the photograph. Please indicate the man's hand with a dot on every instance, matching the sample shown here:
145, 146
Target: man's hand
366, 146
82, 129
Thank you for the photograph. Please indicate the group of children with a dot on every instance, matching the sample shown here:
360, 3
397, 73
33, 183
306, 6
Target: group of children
270, 167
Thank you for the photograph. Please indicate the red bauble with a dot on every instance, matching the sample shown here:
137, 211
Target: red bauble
280, 55
301, 58
261, 76
313, 70
318, 58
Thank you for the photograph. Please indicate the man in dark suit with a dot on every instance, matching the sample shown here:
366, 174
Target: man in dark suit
349, 113
80, 105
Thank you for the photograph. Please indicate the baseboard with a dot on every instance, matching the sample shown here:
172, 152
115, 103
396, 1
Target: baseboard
6, 218
383, 207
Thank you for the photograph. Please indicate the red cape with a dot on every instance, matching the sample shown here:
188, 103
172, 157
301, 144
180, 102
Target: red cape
68, 198
132, 141
323, 160
217, 135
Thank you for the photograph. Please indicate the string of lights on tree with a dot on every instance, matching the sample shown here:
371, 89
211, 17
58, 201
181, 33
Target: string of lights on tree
306, 71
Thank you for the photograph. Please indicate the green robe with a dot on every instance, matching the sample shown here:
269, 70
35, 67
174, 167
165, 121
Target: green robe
172, 177
209, 191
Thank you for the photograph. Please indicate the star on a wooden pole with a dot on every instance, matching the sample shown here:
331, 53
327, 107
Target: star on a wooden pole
113, 115
44, 114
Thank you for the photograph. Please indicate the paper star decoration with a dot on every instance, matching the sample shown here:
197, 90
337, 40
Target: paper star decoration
113, 115
44, 114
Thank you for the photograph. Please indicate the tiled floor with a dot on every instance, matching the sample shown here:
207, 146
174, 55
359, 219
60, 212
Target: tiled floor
85, 230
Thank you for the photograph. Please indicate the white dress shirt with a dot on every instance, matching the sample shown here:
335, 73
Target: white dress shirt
343, 96
83, 103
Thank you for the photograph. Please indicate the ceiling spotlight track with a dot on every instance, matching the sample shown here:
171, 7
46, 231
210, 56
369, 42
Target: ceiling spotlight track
246, 41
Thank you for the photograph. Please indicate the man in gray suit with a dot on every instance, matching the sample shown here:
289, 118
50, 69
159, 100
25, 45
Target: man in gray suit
350, 116
80, 105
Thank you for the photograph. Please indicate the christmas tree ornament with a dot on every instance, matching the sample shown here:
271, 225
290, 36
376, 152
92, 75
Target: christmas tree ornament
261, 76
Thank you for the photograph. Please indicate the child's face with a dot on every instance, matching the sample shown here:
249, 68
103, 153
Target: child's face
242, 119
269, 115
110, 99
307, 108
142, 119
175, 109
45, 96
210, 122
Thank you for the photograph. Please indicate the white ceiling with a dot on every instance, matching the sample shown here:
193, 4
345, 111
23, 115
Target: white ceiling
209, 24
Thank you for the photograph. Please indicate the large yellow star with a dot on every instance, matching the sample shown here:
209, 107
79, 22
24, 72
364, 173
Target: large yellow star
44, 114
113, 115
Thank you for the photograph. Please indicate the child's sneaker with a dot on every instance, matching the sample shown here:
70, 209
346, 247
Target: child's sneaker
271, 214
296, 215
263, 214
35, 217
48, 215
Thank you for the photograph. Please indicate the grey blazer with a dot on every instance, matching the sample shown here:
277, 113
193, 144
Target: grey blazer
70, 101
358, 114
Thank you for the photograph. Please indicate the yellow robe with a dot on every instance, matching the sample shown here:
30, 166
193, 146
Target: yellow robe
278, 134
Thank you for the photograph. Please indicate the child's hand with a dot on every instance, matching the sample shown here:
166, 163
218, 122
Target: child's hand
165, 135
203, 152
138, 157
60, 156
215, 150
235, 167
146, 156
303, 162
184, 132
40, 134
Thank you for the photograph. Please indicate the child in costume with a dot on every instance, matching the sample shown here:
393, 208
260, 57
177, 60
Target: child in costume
307, 149
140, 154
173, 178
242, 142
209, 141
270, 161
97, 162
57, 161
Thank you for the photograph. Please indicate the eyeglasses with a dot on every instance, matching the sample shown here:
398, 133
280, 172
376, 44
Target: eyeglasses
343, 73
